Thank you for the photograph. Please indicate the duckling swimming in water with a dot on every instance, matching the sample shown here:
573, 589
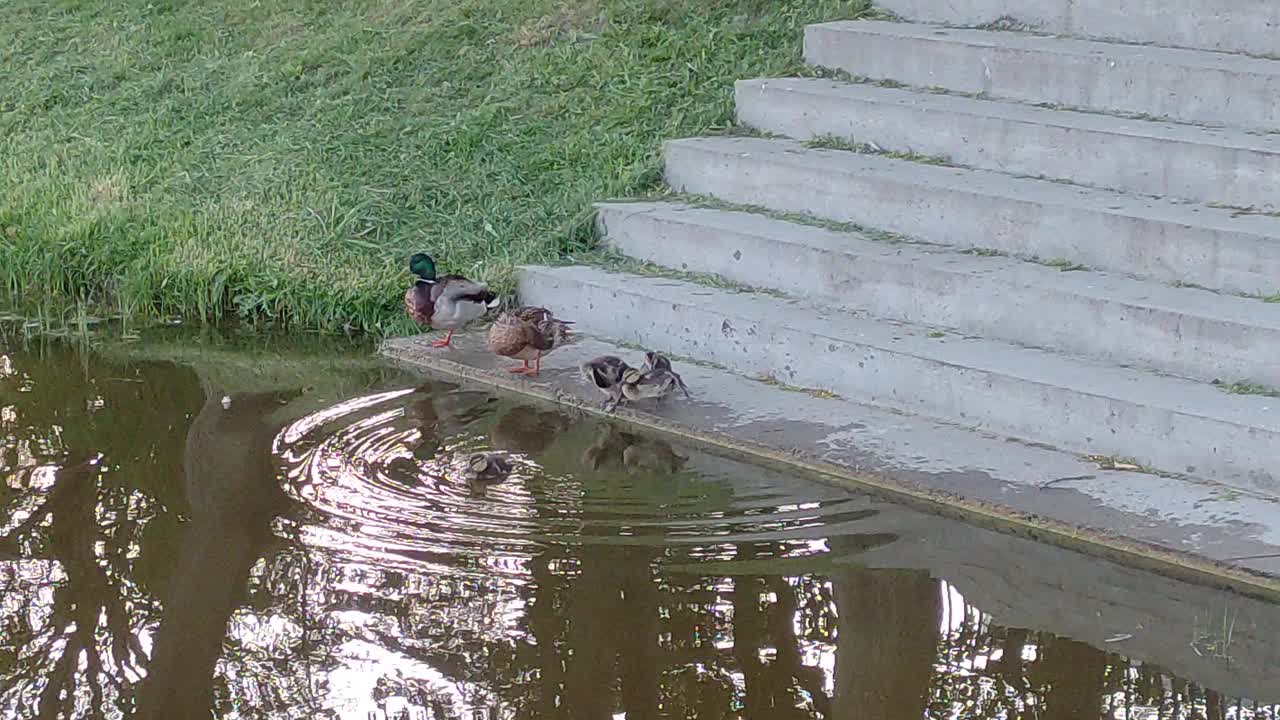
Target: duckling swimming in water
489, 467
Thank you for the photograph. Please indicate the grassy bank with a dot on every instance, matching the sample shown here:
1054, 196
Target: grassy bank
275, 159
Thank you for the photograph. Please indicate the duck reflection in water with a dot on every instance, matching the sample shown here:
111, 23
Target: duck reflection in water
526, 429
631, 451
439, 410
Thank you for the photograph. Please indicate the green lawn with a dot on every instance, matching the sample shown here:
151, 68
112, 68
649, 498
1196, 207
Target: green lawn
273, 159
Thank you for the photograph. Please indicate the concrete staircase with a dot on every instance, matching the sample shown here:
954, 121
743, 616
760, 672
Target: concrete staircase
1064, 240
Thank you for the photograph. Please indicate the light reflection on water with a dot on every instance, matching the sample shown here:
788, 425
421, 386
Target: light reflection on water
161, 555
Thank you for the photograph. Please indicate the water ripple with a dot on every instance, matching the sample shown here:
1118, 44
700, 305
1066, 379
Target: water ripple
386, 475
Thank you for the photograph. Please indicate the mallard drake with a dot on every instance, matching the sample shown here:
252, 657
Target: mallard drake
489, 467
605, 372
447, 302
527, 333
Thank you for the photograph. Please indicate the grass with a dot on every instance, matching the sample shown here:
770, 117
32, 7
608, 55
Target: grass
274, 160
1062, 264
985, 252
1215, 638
773, 381
613, 261
1116, 462
831, 142
713, 203
1244, 387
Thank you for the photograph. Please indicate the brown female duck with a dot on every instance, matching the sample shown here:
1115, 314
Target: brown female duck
527, 333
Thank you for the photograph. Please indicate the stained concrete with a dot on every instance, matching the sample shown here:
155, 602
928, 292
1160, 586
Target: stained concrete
1207, 165
1145, 237
1184, 85
1163, 422
1110, 318
1182, 527
1250, 26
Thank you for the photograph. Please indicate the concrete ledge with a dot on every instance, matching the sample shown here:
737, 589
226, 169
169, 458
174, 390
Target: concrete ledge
1230, 167
1164, 422
1143, 237
1114, 319
1178, 528
1251, 26
1184, 85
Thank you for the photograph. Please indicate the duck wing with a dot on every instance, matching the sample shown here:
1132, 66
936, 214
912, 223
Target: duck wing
457, 287
544, 328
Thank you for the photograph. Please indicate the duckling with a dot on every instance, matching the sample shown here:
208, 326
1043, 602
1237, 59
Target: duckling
489, 467
605, 372
448, 302
527, 333
660, 364
657, 382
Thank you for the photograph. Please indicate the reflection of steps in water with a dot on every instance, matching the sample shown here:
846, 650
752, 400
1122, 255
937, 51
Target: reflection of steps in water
1022, 583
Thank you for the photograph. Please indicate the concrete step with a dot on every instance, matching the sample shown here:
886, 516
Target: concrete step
1164, 422
1247, 26
1184, 85
1211, 165
1113, 319
1143, 237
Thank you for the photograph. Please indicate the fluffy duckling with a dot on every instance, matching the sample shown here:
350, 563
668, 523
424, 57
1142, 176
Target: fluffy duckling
448, 302
527, 333
657, 381
488, 467
605, 372
660, 364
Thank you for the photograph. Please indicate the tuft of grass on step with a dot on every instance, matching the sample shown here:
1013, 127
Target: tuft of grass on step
1061, 264
831, 142
1195, 286
1244, 387
985, 252
773, 381
613, 261
713, 203
265, 159
1116, 462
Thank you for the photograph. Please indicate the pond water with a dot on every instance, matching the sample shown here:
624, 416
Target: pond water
190, 528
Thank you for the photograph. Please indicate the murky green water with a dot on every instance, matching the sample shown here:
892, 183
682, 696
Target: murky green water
308, 548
